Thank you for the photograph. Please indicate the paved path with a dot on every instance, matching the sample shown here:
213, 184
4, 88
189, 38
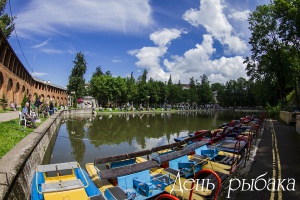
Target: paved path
9, 115
278, 155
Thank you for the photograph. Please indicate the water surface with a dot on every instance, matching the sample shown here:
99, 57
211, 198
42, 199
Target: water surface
84, 138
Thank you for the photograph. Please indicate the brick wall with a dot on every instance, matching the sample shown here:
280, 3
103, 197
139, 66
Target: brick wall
16, 81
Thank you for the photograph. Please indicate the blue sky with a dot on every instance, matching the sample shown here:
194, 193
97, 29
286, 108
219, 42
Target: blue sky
182, 38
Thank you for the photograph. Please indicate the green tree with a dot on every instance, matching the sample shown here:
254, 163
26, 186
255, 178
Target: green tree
270, 56
143, 90
132, 90
76, 79
220, 89
6, 22
98, 72
204, 90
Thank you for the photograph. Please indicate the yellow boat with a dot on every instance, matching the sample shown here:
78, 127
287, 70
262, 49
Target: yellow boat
63, 181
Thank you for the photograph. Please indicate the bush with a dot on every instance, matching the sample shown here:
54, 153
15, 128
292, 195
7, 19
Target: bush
272, 111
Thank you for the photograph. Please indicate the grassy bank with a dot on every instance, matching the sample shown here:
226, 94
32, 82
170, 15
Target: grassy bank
11, 133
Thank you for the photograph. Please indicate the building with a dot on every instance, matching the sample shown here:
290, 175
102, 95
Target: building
16, 81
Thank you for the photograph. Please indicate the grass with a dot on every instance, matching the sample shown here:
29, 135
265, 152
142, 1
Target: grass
11, 133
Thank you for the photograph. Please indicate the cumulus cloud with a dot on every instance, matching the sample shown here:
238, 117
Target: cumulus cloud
193, 63
164, 36
50, 17
150, 57
211, 16
239, 15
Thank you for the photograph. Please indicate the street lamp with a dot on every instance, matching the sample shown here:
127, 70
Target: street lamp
72, 97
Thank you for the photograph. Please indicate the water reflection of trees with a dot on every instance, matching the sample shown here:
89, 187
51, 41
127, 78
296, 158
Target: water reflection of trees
125, 128
116, 129
76, 131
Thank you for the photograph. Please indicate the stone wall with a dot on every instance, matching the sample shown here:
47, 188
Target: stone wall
18, 165
298, 124
16, 81
288, 117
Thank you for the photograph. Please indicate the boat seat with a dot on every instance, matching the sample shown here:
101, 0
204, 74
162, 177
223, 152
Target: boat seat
61, 186
171, 156
125, 170
173, 172
111, 159
115, 193
97, 197
57, 167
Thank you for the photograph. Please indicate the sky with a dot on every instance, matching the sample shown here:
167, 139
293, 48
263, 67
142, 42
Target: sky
181, 38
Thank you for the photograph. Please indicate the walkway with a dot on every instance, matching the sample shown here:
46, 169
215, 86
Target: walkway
9, 115
278, 157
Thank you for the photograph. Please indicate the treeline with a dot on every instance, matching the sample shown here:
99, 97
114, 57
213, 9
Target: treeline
119, 90
145, 90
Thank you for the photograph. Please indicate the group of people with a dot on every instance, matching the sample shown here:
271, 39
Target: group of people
38, 107
26, 112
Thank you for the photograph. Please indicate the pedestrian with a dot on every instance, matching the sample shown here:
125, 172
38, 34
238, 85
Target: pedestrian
28, 100
37, 105
51, 107
27, 116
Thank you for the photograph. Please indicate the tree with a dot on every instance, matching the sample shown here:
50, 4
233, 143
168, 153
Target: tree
204, 90
143, 90
132, 90
270, 56
76, 79
98, 72
6, 22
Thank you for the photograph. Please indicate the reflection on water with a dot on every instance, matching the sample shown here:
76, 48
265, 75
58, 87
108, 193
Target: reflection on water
83, 138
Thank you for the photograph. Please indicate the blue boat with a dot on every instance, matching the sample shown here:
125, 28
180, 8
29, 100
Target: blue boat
58, 181
132, 181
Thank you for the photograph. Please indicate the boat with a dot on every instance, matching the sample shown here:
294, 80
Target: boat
132, 181
63, 181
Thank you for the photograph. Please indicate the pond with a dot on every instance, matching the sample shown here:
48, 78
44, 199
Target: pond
84, 138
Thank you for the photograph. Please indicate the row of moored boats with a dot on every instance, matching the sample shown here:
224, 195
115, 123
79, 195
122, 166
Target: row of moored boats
164, 172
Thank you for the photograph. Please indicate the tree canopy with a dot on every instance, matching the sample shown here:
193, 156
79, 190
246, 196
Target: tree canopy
76, 79
6, 22
274, 62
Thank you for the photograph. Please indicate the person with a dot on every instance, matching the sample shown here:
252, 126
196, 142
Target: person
28, 100
27, 116
12, 105
37, 104
51, 107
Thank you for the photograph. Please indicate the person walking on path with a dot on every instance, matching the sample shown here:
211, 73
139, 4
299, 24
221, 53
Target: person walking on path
27, 116
37, 105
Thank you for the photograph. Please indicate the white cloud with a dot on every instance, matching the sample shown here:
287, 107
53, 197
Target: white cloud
52, 51
39, 74
133, 51
42, 44
239, 15
193, 63
45, 17
150, 57
164, 36
116, 61
211, 17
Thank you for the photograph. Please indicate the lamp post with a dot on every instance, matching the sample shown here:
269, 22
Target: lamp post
72, 97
